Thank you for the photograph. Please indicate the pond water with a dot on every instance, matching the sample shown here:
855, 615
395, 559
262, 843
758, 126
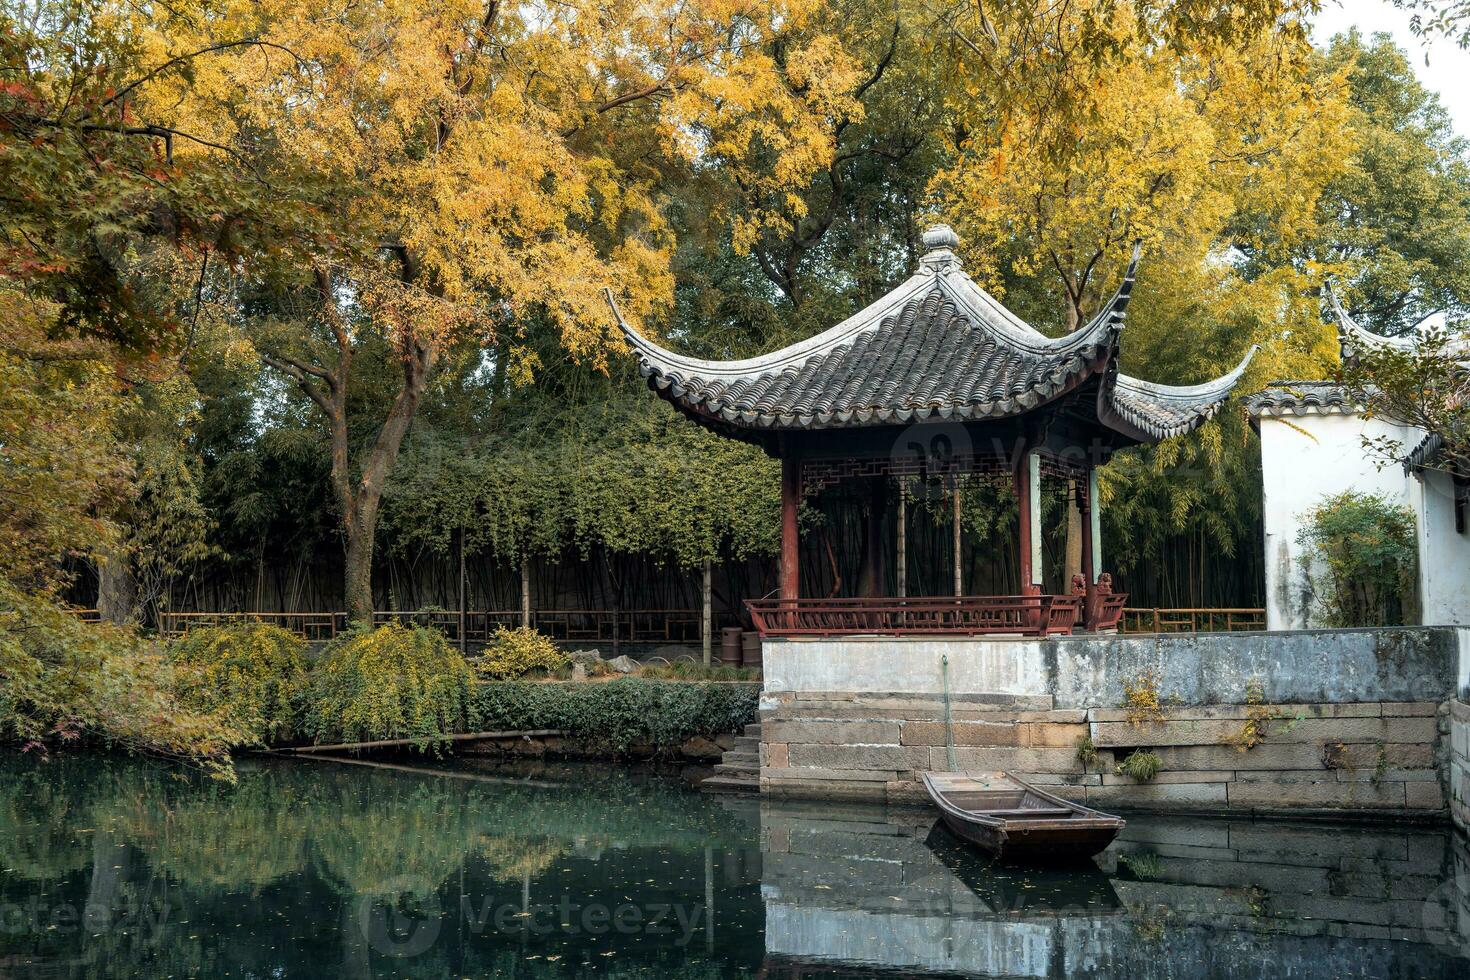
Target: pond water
321, 869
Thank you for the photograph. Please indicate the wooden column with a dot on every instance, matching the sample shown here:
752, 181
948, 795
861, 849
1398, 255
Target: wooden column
1094, 525
790, 501
1087, 504
1084, 506
1028, 507
901, 587
959, 543
870, 579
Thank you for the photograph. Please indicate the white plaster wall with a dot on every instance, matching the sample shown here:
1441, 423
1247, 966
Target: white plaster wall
881, 665
1304, 459
1444, 555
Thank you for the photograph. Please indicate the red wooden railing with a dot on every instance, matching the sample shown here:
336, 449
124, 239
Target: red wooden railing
1025, 615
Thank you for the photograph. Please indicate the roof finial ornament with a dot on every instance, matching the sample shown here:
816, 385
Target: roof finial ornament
940, 241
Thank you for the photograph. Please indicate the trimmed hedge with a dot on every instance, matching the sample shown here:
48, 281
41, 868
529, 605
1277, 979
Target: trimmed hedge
620, 713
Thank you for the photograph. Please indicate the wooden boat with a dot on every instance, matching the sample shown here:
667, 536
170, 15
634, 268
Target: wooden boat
1015, 821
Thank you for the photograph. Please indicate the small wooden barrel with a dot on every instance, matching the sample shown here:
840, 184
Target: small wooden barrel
730, 646
750, 648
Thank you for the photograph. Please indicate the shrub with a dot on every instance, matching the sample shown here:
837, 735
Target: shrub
618, 714
517, 652
65, 681
255, 673
1364, 560
392, 682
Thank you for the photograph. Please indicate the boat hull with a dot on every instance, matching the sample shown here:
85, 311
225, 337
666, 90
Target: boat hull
1025, 825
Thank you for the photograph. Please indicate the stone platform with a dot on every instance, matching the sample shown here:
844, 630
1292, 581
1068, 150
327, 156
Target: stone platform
1333, 721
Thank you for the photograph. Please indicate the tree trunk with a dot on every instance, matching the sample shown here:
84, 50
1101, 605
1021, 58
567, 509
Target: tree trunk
117, 593
358, 588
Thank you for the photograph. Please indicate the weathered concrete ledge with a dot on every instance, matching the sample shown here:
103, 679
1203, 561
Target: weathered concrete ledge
1352, 721
1309, 666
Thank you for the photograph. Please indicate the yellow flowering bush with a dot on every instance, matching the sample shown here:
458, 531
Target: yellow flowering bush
517, 652
391, 682
254, 673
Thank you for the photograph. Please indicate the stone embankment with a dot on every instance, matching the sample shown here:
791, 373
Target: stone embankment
1348, 721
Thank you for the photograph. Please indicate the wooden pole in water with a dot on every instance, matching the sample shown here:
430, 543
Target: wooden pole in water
709, 899
706, 623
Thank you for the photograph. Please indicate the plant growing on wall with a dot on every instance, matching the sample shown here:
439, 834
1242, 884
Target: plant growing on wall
1086, 752
1141, 764
1141, 699
1259, 717
1362, 568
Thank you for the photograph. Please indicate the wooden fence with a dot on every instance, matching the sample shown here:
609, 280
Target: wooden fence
658, 626
647, 626
1191, 620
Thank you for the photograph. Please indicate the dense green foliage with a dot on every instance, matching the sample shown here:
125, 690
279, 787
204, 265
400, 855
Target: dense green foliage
391, 682
516, 652
255, 673
1365, 567
620, 713
64, 681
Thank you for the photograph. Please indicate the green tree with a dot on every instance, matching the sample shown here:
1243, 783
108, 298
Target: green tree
1365, 572
1397, 221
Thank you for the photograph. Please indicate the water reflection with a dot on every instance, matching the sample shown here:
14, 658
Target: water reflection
1173, 897
314, 869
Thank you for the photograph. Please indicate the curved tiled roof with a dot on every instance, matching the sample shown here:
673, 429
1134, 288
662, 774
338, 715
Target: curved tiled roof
937, 347
1301, 398
1353, 337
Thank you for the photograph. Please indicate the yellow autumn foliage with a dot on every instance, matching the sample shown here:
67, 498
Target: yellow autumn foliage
506, 156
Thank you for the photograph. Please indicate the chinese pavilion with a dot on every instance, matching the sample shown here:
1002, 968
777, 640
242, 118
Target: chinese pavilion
937, 380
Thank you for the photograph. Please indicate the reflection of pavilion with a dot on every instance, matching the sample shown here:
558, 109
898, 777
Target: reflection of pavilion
936, 382
866, 889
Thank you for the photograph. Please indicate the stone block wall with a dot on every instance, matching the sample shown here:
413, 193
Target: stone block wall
1354, 721
1377, 756
1458, 776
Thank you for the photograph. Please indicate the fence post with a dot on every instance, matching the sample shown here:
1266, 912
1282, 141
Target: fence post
526, 591
705, 624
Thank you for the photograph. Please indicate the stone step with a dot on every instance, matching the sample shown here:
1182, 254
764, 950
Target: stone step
745, 743
736, 758
728, 768
753, 730
732, 784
